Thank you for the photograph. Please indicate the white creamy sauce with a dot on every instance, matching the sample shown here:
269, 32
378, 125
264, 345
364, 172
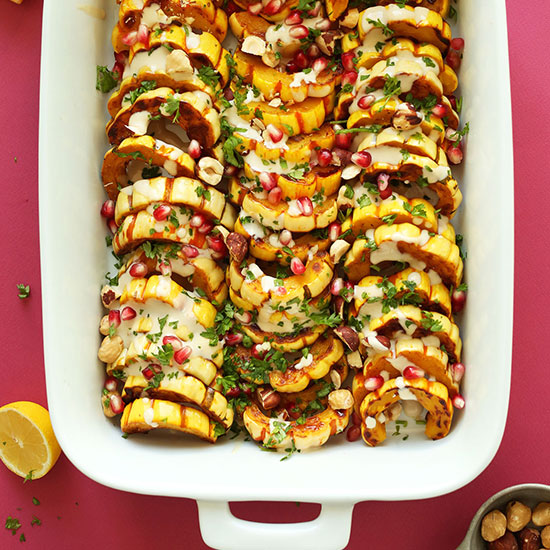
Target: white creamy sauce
139, 122
304, 362
370, 422
148, 416
388, 251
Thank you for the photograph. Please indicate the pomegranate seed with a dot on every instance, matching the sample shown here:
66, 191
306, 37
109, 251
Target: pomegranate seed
285, 236
293, 412
458, 401
301, 60
296, 266
119, 69
231, 8
373, 383
383, 182
120, 57
455, 155
216, 243
337, 286
233, 392
194, 150
268, 180
274, 196
143, 34
323, 25
114, 317
355, 419
230, 170
457, 44
190, 251
116, 403
458, 370
362, 159
334, 231
305, 206
347, 61
182, 355
232, 339
366, 101
384, 340
108, 209
258, 352
313, 52
299, 32
349, 77
128, 313
245, 317
280, 290
440, 110
113, 227
324, 157
255, 9
165, 268
458, 300
130, 39
138, 269
273, 7
247, 390
197, 220
320, 64
452, 101
315, 11
173, 341
454, 60
110, 384
412, 373
206, 227
342, 140
353, 433
161, 212
292, 67
148, 373
228, 94
274, 133
294, 18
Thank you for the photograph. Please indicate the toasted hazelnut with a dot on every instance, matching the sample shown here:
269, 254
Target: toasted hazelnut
178, 62
338, 249
493, 526
351, 18
339, 305
336, 379
106, 405
349, 336
108, 295
110, 349
327, 41
257, 124
269, 399
254, 45
104, 325
342, 201
275, 102
354, 360
518, 515
394, 412
506, 542
541, 514
270, 59
210, 170
340, 399
529, 539
545, 536
237, 246
350, 171
406, 117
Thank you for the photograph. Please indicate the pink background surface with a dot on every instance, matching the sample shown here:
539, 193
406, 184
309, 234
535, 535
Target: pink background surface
77, 512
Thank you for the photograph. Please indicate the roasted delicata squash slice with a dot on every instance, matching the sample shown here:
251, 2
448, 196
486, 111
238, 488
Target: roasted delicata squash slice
183, 389
433, 396
405, 243
285, 436
418, 23
324, 353
192, 111
265, 244
293, 88
136, 157
413, 352
201, 15
143, 415
374, 294
283, 12
439, 6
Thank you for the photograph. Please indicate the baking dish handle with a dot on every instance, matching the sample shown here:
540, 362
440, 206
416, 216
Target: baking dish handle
221, 530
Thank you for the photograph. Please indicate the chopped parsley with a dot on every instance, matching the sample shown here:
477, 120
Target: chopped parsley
106, 80
24, 291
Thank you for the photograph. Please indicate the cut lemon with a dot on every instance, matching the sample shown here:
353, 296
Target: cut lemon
28, 446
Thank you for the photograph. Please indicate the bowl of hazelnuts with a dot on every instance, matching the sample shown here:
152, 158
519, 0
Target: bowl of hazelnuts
517, 518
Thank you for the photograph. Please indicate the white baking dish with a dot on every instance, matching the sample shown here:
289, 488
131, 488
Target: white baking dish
74, 260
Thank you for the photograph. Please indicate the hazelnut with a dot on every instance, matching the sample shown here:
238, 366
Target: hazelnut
518, 515
340, 400
406, 117
269, 399
506, 542
108, 295
394, 412
342, 201
336, 379
210, 170
338, 249
270, 59
351, 18
177, 62
110, 349
254, 45
338, 302
327, 41
354, 360
541, 514
104, 325
237, 246
349, 336
545, 536
529, 539
493, 525
351, 171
